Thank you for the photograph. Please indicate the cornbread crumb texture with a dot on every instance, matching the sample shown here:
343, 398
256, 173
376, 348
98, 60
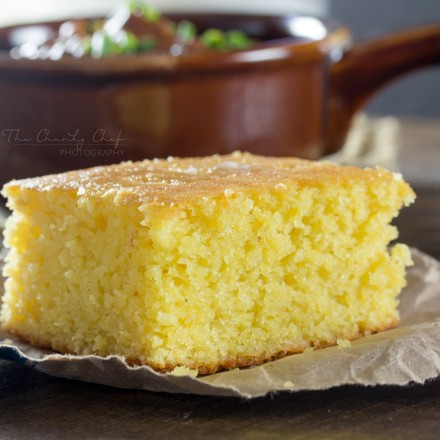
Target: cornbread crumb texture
184, 371
203, 263
343, 343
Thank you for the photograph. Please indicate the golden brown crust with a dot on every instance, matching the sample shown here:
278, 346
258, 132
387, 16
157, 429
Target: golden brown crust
240, 361
179, 180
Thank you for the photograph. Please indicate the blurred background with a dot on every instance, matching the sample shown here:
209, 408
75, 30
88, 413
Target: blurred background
418, 95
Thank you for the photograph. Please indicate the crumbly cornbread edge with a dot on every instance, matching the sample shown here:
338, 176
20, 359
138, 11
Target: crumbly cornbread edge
240, 362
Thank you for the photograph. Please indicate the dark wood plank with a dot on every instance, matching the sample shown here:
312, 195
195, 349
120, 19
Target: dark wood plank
33, 405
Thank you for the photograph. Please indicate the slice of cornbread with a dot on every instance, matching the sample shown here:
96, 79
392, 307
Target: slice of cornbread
207, 263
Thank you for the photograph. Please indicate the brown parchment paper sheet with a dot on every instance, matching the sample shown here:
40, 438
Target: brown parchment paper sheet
410, 353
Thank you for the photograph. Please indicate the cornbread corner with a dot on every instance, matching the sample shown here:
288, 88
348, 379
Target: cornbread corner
204, 263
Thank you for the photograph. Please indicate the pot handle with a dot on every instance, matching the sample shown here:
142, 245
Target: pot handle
365, 68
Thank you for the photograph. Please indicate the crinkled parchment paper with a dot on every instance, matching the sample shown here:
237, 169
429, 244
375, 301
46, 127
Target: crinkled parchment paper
410, 353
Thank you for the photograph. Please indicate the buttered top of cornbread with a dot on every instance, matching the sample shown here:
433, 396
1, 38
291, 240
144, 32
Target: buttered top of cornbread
173, 180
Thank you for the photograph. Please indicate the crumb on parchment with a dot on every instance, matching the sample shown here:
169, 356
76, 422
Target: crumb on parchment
343, 343
184, 371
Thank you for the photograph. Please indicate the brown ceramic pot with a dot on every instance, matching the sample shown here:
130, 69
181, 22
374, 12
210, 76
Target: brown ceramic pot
289, 96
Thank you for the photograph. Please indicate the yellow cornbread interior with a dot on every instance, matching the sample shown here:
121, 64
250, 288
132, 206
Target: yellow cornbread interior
235, 276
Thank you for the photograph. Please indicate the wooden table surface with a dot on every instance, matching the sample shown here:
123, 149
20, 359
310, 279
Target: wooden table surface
36, 406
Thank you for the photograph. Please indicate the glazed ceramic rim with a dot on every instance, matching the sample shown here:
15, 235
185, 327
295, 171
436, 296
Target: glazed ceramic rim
268, 55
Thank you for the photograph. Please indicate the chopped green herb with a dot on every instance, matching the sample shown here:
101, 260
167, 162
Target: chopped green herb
213, 39
186, 31
237, 40
150, 13
136, 7
129, 43
99, 40
103, 45
219, 40
86, 45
